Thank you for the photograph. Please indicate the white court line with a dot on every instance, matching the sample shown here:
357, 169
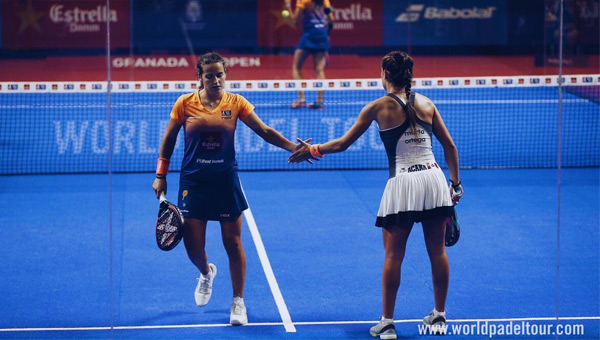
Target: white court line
266, 264
302, 323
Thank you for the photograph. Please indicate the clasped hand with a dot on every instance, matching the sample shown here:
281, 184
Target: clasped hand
302, 152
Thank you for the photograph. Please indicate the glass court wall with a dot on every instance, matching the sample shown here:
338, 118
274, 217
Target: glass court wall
96, 81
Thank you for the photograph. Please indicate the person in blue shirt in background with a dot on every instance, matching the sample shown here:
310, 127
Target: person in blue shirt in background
317, 23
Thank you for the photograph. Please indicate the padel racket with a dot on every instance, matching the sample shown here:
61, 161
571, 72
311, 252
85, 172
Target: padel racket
169, 225
452, 227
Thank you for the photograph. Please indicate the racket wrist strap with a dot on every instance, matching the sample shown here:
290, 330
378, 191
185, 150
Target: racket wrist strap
455, 185
315, 151
162, 167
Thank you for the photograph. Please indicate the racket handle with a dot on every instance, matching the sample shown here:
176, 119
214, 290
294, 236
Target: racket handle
162, 196
457, 191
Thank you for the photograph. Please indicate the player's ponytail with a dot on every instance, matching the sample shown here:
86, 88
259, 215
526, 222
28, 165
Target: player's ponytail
412, 112
400, 69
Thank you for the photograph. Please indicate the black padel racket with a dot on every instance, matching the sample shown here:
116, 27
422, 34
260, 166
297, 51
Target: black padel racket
169, 225
452, 228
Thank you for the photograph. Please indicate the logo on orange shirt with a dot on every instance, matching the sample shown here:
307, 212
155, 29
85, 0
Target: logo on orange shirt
226, 114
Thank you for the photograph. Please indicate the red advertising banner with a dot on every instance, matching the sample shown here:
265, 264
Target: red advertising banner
275, 30
265, 67
357, 23
56, 24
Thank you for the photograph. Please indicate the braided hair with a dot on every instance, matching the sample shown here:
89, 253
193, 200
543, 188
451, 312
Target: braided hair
207, 59
400, 68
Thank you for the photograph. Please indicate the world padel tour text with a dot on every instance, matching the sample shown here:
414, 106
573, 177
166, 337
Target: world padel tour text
511, 328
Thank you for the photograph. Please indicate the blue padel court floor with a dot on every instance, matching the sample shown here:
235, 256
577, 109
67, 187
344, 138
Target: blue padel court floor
80, 261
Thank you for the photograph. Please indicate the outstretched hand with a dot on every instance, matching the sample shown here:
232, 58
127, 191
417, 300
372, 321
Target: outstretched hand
301, 145
302, 152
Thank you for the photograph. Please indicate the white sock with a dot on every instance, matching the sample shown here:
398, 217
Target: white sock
436, 313
387, 320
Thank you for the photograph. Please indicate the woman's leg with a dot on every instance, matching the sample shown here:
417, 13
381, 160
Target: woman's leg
434, 231
394, 241
194, 239
231, 232
319, 65
300, 56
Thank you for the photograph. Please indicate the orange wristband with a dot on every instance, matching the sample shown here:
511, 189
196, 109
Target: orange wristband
315, 151
162, 166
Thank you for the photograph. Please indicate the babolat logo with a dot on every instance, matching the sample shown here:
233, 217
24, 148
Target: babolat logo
413, 13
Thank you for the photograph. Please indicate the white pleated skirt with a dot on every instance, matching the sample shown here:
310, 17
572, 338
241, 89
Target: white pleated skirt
411, 197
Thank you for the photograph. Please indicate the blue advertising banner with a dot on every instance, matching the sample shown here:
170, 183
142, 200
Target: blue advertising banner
192, 24
445, 22
70, 132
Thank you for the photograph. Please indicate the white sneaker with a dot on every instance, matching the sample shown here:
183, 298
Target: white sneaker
436, 322
204, 288
238, 312
385, 329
